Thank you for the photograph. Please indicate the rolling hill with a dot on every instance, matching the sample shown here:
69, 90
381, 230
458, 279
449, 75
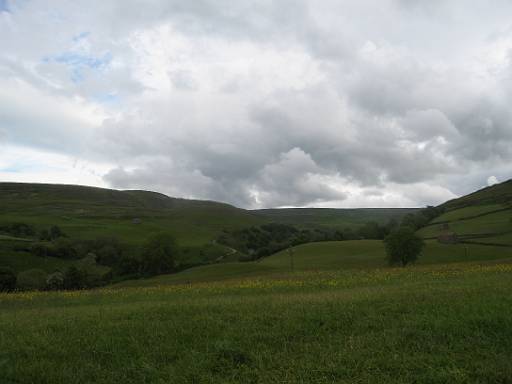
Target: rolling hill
132, 216
333, 217
481, 221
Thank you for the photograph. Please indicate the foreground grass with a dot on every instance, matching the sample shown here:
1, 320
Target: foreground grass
430, 324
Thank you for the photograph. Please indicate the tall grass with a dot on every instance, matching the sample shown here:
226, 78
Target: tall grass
430, 324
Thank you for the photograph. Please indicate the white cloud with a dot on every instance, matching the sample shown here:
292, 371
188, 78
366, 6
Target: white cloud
492, 180
22, 164
357, 103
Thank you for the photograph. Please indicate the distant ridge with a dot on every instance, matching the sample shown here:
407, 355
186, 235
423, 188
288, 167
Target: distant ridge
30, 192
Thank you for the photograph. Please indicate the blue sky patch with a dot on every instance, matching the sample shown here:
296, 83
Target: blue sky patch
4, 6
77, 62
109, 98
13, 169
80, 36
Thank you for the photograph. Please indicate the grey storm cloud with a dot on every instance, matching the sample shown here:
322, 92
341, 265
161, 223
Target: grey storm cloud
266, 103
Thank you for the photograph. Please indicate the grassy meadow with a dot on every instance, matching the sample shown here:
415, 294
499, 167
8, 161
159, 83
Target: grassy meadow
326, 256
427, 324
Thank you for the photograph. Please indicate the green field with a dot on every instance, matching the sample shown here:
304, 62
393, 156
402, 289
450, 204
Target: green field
484, 217
497, 222
326, 256
468, 212
430, 324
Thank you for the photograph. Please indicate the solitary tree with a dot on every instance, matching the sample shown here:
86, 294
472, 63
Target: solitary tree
55, 232
159, 254
403, 246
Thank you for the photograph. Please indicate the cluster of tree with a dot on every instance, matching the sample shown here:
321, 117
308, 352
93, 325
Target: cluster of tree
18, 229
106, 250
264, 240
421, 217
28, 230
62, 248
37, 279
51, 234
158, 255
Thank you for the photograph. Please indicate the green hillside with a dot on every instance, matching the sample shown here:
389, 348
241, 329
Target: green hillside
333, 217
483, 225
496, 194
482, 222
85, 213
483, 217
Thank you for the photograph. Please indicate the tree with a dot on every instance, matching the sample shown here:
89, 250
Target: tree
44, 235
7, 280
55, 232
128, 265
55, 281
18, 229
109, 254
32, 279
75, 278
372, 230
64, 249
403, 246
159, 254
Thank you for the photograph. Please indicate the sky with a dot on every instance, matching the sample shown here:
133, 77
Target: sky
263, 103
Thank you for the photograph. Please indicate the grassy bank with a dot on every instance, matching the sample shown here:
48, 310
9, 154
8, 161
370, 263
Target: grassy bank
326, 256
430, 324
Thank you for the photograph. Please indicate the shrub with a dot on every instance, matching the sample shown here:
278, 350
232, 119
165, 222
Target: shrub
32, 279
55, 281
7, 280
